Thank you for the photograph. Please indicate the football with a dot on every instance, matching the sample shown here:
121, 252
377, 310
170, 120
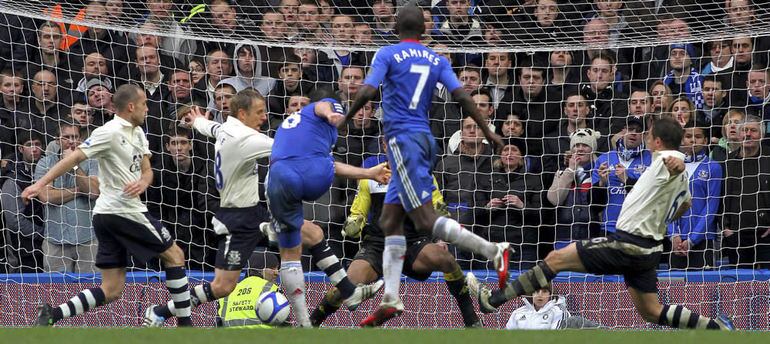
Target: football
273, 308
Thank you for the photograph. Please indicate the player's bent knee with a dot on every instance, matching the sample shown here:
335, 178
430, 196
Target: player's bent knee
387, 224
312, 234
173, 256
360, 271
223, 288
224, 283
437, 258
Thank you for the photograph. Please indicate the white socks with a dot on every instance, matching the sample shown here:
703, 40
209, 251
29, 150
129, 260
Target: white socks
293, 281
392, 265
452, 232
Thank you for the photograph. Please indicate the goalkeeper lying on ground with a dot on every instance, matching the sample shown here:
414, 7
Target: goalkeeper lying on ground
422, 255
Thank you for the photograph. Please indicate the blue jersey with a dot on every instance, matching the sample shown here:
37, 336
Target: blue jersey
615, 187
699, 222
409, 72
305, 135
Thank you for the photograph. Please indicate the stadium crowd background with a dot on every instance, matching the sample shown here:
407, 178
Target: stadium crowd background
573, 120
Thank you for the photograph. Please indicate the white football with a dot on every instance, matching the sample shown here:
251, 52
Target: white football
273, 308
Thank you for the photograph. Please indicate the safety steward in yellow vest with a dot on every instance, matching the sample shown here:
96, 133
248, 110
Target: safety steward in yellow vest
239, 309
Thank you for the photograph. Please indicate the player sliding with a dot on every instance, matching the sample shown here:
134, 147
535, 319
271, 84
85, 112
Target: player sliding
422, 256
660, 195
121, 222
302, 169
409, 72
238, 146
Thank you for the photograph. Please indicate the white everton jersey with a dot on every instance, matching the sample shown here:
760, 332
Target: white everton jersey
654, 199
235, 166
549, 317
119, 147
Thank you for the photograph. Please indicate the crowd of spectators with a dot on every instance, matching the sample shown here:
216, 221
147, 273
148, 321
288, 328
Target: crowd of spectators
573, 122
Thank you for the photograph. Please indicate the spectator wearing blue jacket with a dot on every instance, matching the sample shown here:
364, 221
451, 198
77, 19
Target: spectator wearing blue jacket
682, 78
618, 170
692, 235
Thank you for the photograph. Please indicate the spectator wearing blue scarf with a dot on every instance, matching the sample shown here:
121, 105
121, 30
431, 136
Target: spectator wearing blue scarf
619, 170
683, 78
692, 235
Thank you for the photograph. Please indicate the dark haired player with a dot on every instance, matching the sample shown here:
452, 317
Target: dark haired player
660, 196
302, 169
409, 72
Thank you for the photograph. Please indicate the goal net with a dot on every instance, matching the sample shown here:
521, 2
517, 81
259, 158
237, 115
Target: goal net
572, 87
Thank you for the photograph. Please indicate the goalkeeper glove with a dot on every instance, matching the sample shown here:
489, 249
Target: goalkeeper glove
442, 209
353, 226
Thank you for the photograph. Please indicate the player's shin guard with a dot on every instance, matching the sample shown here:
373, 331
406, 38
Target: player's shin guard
455, 282
176, 283
326, 260
82, 302
526, 284
293, 281
330, 304
681, 317
452, 232
392, 265
199, 294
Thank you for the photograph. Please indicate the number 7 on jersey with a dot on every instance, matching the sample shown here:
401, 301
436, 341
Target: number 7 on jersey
424, 72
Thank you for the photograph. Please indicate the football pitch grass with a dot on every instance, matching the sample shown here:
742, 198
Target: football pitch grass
367, 336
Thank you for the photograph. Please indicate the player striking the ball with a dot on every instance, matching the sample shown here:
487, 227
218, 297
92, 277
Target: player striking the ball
302, 169
239, 144
409, 73
661, 195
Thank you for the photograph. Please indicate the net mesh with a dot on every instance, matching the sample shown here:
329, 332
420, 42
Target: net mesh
567, 84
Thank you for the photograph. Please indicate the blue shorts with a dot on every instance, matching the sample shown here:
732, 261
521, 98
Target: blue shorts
289, 183
411, 157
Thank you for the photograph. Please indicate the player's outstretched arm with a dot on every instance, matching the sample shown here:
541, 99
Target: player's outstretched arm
63, 166
364, 95
196, 119
380, 173
469, 107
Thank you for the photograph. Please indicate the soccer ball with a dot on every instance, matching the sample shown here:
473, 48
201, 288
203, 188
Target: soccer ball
273, 308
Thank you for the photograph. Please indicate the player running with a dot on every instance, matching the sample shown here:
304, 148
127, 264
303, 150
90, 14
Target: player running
238, 146
659, 196
302, 169
422, 256
121, 222
409, 73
